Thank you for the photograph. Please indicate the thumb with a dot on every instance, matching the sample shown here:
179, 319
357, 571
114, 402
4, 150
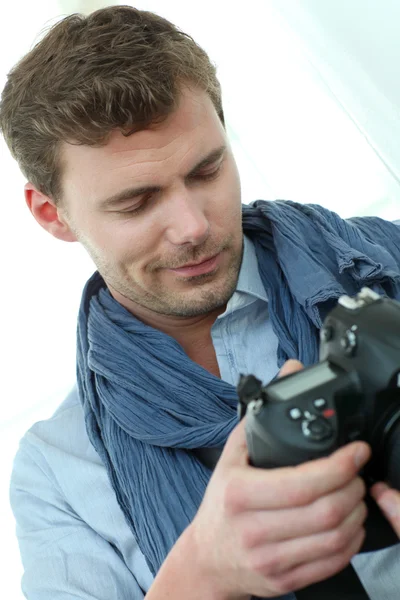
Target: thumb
291, 366
235, 452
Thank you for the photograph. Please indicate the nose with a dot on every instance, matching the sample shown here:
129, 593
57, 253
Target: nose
186, 221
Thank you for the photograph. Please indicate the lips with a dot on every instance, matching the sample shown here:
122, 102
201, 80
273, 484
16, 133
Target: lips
201, 268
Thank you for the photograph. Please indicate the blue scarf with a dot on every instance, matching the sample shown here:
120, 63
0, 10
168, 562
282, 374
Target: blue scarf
146, 403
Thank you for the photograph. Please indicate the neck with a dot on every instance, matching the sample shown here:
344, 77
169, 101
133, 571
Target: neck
183, 329
192, 333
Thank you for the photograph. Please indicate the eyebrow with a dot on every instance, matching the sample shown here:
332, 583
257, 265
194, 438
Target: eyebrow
134, 192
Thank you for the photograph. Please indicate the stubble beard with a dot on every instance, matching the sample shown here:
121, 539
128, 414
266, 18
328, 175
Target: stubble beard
208, 293
204, 297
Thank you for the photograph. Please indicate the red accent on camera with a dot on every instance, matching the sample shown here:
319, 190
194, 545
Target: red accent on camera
328, 413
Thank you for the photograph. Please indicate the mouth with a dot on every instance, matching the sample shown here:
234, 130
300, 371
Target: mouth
200, 268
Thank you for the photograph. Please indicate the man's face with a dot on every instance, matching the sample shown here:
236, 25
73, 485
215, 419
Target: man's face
150, 214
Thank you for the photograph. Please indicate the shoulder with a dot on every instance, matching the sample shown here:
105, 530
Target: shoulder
279, 211
314, 225
54, 448
64, 432
58, 475
68, 521
370, 226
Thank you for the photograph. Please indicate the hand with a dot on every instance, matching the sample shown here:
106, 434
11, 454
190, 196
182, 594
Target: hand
266, 532
388, 501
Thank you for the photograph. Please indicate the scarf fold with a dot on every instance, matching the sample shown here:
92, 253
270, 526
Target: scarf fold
146, 403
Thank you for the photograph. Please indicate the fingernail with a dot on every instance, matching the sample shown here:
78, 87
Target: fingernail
378, 489
361, 456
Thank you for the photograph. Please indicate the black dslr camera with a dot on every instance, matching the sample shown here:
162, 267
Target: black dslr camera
353, 393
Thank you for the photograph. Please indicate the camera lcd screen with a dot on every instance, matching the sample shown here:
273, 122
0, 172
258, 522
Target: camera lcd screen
302, 381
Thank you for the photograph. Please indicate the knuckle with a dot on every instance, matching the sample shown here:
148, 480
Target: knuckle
361, 487
296, 493
299, 496
342, 559
337, 540
347, 467
345, 554
343, 465
266, 563
357, 489
249, 537
286, 583
234, 496
331, 514
364, 511
359, 515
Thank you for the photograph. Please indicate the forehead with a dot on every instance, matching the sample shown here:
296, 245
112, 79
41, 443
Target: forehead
146, 157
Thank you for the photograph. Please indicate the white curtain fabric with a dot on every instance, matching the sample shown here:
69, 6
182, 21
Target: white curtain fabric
354, 48
311, 96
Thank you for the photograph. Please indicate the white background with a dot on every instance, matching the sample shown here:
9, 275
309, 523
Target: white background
311, 95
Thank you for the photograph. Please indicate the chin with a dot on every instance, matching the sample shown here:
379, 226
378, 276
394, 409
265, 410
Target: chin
203, 302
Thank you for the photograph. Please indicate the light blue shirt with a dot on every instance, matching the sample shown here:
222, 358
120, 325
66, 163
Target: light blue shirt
243, 337
73, 537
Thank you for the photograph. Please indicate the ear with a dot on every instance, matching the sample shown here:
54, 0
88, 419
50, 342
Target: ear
47, 214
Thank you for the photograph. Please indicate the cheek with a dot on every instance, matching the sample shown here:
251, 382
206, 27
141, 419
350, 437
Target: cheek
227, 198
232, 181
132, 242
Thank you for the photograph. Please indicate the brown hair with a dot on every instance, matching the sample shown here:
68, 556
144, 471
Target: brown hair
118, 68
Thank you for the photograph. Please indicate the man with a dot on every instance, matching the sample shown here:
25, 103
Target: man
116, 121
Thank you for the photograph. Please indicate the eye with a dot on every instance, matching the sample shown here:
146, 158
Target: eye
208, 175
136, 208
132, 211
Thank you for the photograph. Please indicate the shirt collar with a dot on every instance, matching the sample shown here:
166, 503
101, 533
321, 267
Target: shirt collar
249, 281
249, 287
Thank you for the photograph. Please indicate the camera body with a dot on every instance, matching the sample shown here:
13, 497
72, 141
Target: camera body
353, 393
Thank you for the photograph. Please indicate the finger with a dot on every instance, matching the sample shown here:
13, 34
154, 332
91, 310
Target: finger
267, 489
325, 514
290, 366
388, 501
318, 570
235, 452
291, 553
